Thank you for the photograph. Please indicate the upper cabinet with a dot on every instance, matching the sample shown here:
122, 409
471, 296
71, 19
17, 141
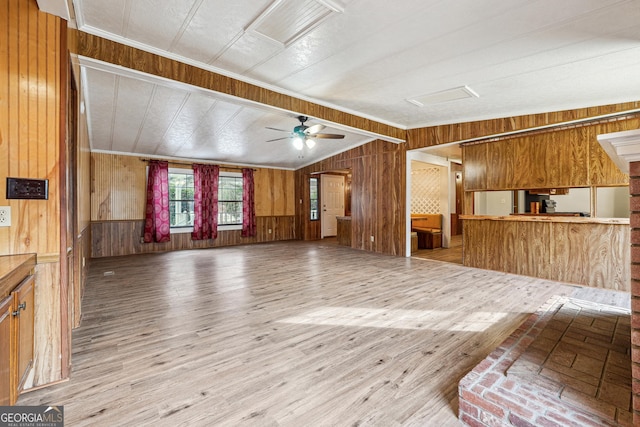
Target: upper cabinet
555, 159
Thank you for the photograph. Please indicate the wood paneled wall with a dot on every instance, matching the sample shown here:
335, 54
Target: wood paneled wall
274, 191
48, 321
443, 134
591, 254
118, 198
30, 124
118, 189
570, 157
31, 64
378, 188
118, 238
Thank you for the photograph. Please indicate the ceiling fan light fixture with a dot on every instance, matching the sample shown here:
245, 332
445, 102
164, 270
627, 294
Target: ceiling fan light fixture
297, 143
306, 135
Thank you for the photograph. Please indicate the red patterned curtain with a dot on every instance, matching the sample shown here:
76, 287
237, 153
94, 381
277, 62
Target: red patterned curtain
205, 221
156, 226
248, 204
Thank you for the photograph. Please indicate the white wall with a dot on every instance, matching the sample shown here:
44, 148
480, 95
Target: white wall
495, 203
578, 200
612, 202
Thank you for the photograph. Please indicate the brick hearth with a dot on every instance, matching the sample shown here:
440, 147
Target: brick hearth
568, 364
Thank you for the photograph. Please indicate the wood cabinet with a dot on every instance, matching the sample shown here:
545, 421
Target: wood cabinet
23, 317
549, 160
6, 307
17, 309
344, 230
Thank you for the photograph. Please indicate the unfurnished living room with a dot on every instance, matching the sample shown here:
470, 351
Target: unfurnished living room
320, 212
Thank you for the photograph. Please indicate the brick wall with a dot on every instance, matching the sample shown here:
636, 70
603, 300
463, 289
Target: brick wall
634, 190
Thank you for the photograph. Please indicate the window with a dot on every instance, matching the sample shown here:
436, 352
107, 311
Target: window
230, 199
181, 205
313, 183
181, 198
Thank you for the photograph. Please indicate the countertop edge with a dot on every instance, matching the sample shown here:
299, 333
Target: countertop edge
13, 269
548, 218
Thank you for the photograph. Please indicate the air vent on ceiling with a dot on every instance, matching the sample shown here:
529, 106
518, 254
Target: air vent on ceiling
454, 94
285, 21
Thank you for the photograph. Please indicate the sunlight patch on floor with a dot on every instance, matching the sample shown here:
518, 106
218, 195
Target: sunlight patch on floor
399, 319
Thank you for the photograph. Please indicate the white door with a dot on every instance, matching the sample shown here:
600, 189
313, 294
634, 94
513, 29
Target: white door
332, 198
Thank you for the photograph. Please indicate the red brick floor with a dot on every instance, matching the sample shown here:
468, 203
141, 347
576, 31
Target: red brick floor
569, 364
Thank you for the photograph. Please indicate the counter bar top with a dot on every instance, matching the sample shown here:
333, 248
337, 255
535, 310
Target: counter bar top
548, 218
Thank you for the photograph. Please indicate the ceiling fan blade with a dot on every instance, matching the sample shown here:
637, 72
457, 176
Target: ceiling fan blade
277, 139
314, 129
279, 130
326, 136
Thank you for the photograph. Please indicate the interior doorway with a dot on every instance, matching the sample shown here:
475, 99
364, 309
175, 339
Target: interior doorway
332, 198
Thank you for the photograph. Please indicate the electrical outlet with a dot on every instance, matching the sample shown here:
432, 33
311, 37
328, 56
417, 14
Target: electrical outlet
5, 216
269, 231
372, 238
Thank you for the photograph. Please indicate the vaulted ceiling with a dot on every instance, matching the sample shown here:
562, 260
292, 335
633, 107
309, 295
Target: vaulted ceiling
401, 63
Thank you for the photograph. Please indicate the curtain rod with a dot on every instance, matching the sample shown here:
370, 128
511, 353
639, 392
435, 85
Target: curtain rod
172, 162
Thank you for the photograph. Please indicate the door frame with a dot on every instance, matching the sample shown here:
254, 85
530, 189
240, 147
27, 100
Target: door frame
423, 157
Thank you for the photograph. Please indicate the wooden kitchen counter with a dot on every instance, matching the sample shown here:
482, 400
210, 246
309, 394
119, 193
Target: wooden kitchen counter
587, 251
14, 268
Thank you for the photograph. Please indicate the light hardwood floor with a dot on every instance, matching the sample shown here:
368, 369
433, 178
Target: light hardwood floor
285, 334
451, 254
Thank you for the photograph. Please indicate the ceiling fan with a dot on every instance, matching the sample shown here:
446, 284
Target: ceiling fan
306, 135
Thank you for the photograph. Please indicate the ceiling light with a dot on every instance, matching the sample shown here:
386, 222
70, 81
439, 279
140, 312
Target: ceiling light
297, 143
454, 94
310, 142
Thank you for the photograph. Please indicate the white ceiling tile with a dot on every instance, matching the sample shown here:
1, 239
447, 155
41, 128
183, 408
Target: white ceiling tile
156, 23
248, 51
161, 114
206, 128
185, 121
108, 18
100, 107
520, 56
132, 99
216, 26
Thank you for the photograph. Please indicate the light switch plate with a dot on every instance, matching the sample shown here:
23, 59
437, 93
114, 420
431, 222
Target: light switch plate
23, 188
5, 216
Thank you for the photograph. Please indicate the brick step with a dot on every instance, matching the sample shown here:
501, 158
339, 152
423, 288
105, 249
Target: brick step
568, 364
